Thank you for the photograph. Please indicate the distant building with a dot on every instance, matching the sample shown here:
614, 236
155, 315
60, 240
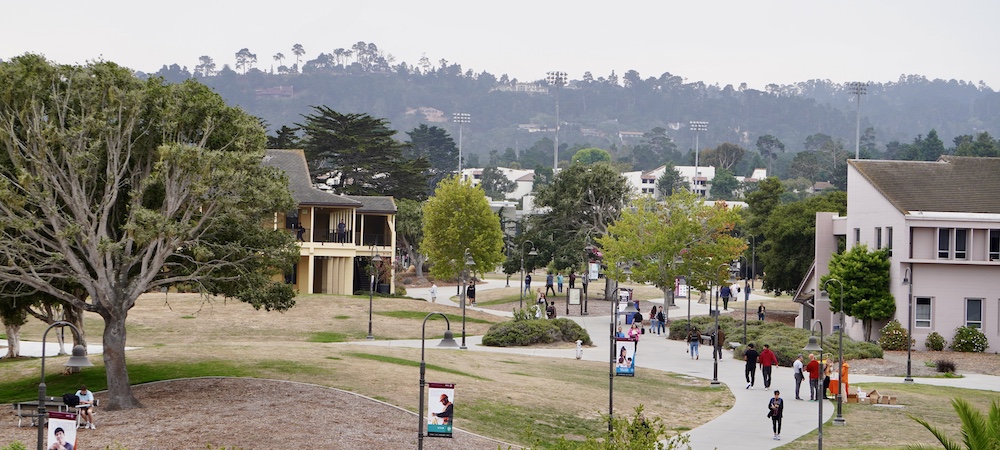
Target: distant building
276, 92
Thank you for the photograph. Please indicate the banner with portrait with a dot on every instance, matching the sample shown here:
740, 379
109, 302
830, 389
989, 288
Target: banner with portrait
625, 357
440, 409
62, 431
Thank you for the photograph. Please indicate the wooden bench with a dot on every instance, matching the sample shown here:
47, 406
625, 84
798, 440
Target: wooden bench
30, 409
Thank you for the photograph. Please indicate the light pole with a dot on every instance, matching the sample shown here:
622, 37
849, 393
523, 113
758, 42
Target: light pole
908, 281
557, 79
469, 264
585, 276
79, 359
857, 89
839, 420
753, 261
812, 347
448, 341
531, 253
611, 360
715, 341
371, 290
461, 119
745, 301
697, 126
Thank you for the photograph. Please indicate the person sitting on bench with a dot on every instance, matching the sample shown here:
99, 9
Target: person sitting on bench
86, 407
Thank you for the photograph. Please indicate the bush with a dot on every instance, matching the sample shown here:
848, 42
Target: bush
935, 342
516, 333
968, 339
894, 337
945, 366
16, 445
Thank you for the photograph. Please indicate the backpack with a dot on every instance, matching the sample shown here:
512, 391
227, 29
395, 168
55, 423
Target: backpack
71, 399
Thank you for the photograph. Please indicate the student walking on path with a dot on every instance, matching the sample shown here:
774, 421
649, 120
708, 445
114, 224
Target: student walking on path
767, 359
775, 408
813, 369
750, 357
799, 376
559, 281
693, 338
527, 284
725, 293
719, 340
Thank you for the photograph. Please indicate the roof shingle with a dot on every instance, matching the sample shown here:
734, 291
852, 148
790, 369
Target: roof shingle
950, 184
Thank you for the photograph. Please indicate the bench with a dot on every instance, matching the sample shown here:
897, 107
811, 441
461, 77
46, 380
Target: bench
30, 409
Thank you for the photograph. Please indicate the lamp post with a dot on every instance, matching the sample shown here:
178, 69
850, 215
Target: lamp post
745, 301
908, 281
371, 290
753, 261
557, 79
469, 263
857, 89
531, 253
611, 358
697, 126
811, 347
839, 420
79, 359
448, 341
461, 119
715, 341
585, 276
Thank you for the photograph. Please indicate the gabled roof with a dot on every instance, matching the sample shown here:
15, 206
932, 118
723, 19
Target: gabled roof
374, 204
293, 163
950, 184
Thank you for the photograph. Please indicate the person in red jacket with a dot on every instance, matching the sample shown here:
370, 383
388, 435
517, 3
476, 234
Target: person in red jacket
813, 369
767, 359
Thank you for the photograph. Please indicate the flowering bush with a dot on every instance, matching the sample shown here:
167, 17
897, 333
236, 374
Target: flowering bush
935, 342
894, 337
968, 339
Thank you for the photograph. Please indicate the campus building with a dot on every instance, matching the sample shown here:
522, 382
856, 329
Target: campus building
335, 259
940, 221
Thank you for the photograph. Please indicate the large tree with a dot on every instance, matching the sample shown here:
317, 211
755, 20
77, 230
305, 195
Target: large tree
410, 232
769, 147
117, 186
495, 184
789, 247
438, 148
671, 181
864, 276
456, 218
358, 156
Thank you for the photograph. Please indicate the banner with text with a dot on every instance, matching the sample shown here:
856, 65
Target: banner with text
440, 409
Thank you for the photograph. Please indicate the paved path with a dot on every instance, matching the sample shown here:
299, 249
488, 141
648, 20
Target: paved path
742, 427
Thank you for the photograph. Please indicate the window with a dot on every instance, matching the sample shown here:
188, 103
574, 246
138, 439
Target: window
961, 243
857, 236
922, 315
878, 238
974, 312
944, 243
994, 245
888, 239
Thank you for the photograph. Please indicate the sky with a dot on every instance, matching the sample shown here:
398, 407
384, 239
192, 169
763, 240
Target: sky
717, 42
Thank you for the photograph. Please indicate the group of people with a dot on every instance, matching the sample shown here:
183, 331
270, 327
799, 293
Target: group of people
553, 283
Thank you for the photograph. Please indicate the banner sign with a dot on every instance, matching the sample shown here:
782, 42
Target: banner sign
440, 409
62, 431
574, 296
625, 357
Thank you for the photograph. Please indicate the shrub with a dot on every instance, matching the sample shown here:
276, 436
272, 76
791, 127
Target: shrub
16, 445
529, 332
968, 339
935, 342
894, 337
945, 366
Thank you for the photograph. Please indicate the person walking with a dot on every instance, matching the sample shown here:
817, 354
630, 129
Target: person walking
719, 339
799, 376
653, 324
750, 356
434, 292
826, 377
775, 409
813, 369
527, 283
760, 312
550, 284
661, 320
767, 360
559, 281
725, 293
693, 338
470, 293
572, 280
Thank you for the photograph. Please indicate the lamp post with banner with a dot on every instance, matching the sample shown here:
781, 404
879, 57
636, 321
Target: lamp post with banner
615, 312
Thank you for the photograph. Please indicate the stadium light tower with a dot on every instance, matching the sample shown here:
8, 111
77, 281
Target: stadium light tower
697, 126
557, 79
461, 119
857, 89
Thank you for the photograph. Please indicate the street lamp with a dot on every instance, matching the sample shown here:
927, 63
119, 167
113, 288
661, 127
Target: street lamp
753, 262
79, 359
611, 359
448, 342
715, 342
585, 276
469, 263
697, 126
812, 347
839, 420
908, 281
371, 290
461, 119
746, 299
557, 79
857, 89
531, 253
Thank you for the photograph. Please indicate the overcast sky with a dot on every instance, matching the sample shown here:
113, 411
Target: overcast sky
724, 41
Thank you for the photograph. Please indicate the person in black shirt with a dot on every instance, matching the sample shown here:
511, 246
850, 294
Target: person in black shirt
751, 370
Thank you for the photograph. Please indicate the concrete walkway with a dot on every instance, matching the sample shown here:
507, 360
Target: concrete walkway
745, 426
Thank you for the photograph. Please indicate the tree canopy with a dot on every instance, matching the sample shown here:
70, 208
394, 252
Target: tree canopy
456, 218
118, 186
788, 247
864, 276
438, 148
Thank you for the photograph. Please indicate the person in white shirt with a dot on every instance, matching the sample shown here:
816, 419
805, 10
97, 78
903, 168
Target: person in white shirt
434, 292
799, 376
86, 407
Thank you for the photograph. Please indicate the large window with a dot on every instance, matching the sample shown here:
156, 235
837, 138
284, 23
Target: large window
944, 243
994, 245
878, 238
974, 312
922, 315
961, 243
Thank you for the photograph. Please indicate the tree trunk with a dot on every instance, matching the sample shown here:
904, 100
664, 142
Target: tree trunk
867, 327
120, 394
668, 301
418, 260
609, 289
13, 340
